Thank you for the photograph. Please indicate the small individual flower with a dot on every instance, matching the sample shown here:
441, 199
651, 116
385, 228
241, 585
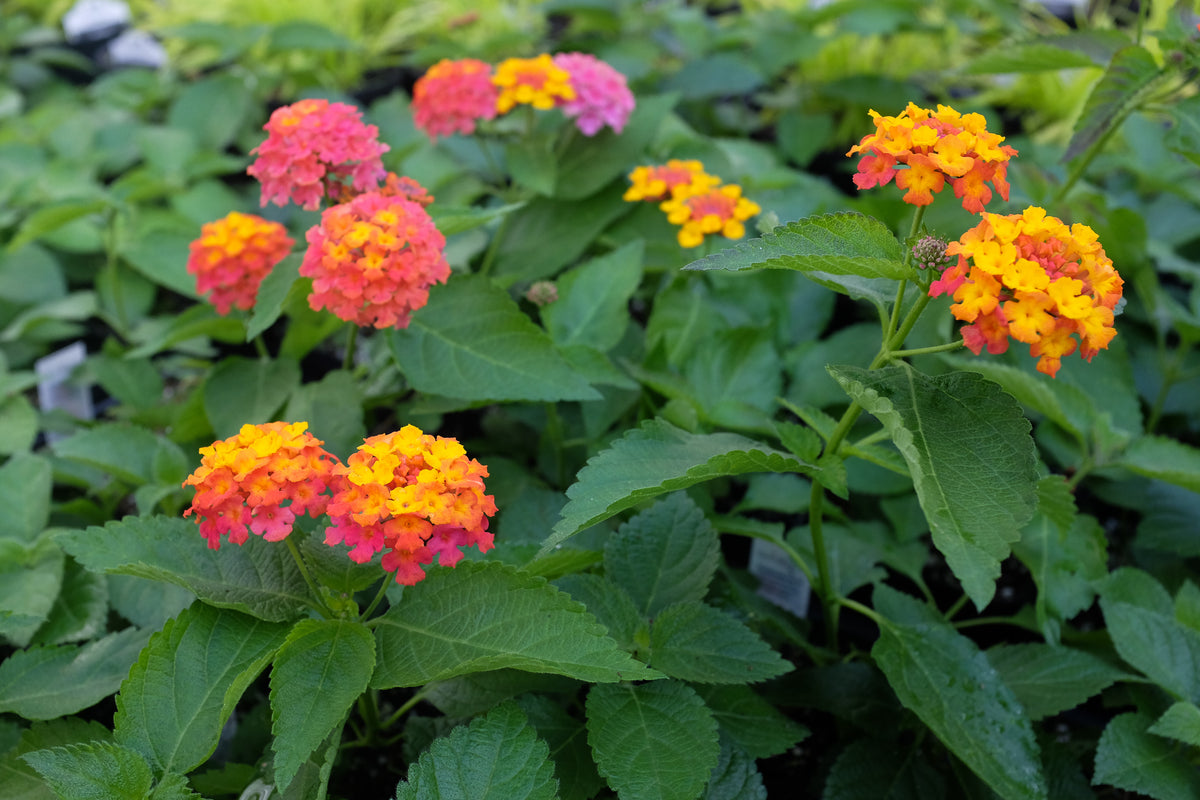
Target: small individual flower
233, 255
413, 495
312, 147
1032, 277
259, 481
452, 96
930, 253
922, 149
602, 95
542, 293
672, 179
721, 210
537, 82
373, 259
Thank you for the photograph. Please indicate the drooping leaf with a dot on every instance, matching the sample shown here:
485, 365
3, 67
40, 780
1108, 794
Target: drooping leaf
259, 577
652, 741
944, 679
1130, 757
471, 341
25, 486
655, 459
500, 618
695, 642
243, 391
753, 724
1181, 721
1165, 459
319, 671
1048, 679
496, 757
187, 681
96, 771
971, 458
1130, 77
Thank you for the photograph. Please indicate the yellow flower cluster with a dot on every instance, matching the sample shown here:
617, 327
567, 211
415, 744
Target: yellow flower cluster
693, 200
537, 82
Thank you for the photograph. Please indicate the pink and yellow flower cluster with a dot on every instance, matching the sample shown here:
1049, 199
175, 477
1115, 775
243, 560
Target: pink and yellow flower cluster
453, 96
410, 494
233, 255
692, 199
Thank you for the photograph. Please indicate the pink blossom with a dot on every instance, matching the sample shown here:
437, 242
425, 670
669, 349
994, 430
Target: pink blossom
452, 96
602, 96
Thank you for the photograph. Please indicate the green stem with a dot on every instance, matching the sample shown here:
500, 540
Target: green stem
404, 709
870, 613
383, 587
494, 245
922, 351
955, 608
971, 623
261, 348
351, 343
319, 604
1170, 376
829, 599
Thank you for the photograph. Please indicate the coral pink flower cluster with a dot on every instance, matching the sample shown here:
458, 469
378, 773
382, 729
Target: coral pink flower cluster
233, 255
453, 96
373, 259
412, 495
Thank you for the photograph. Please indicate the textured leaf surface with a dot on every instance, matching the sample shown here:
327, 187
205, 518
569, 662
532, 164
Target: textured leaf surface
80, 611
735, 777
187, 681
471, 341
948, 683
566, 737
695, 642
609, 603
751, 722
667, 554
98, 771
483, 616
1048, 679
320, 670
1166, 459
652, 741
657, 458
259, 577
1129, 78
971, 458
49, 682
1130, 757
19, 780
1147, 635
1066, 405
25, 486
1181, 721
242, 391
593, 299
880, 769
30, 579
128, 452
496, 757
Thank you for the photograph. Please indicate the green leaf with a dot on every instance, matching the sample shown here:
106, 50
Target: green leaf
80, 611
144, 602
608, 603
531, 163
174, 786
695, 642
1048, 679
128, 452
1184, 137
667, 554
1130, 77
473, 694
242, 391
549, 233
259, 577
1181, 721
30, 579
1165, 459
752, 723
593, 299
18, 425
320, 670
456, 219
268, 303
49, 682
1131, 758
25, 486
735, 777
471, 341
162, 256
187, 682
1153, 640
303, 35
200, 320
738, 380
96, 771
652, 741
1067, 406
717, 74
514, 620
881, 769
49, 218
971, 458
212, 108
566, 737
21, 781
944, 679
591, 162
496, 757
333, 409
657, 458
1036, 56
136, 383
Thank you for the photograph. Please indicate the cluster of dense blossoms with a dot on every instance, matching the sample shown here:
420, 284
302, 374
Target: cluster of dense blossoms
453, 96
373, 259
692, 199
415, 495
921, 148
1034, 278
233, 255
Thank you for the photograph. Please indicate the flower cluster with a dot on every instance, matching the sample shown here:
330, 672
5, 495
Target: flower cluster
312, 147
453, 96
1034, 278
260, 480
932, 146
233, 255
373, 259
414, 495
693, 200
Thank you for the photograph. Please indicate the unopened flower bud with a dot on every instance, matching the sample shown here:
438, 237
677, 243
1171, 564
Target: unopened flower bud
930, 253
542, 293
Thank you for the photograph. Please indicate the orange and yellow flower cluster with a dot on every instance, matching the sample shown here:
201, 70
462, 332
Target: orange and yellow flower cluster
233, 255
921, 149
692, 199
1034, 278
414, 495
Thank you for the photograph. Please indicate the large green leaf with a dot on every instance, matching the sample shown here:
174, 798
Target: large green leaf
1181, 721
50, 682
333, 409
1048, 679
130, 452
25, 486
1130, 77
657, 458
1166, 459
608, 603
880, 769
274, 289
652, 741
96, 771
243, 391
1035, 56
496, 757
187, 682
19, 779
590, 162
566, 736
735, 777
212, 108
80, 611
754, 725
667, 554
971, 458
593, 299
1130, 757
1067, 406
259, 577
320, 670
695, 642
548, 234
471, 341
484, 615
944, 679
30, 579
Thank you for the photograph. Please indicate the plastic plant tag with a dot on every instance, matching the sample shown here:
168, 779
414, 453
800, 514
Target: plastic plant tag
95, 20
55, 388
780, 581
